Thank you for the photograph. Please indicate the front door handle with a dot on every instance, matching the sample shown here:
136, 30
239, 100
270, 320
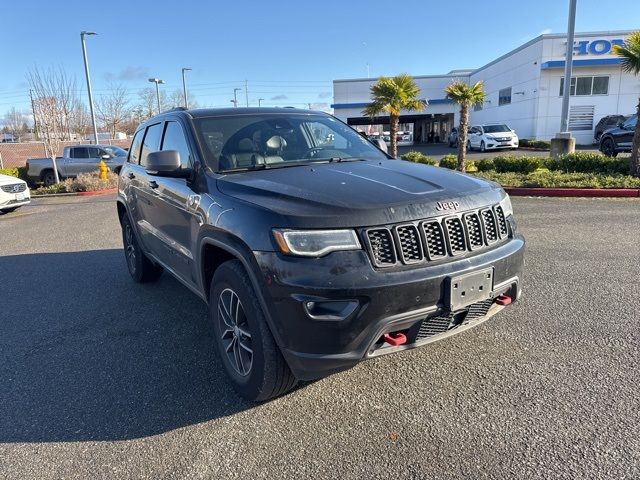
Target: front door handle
153, 184
131, 176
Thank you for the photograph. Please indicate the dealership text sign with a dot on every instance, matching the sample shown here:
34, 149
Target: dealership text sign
595, 47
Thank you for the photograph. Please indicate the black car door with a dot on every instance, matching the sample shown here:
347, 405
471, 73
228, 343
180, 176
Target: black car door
626, 133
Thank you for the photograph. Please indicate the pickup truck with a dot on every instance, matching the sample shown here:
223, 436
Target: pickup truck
75, 160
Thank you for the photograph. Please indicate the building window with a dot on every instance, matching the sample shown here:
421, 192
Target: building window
584, 86
477, 107
504, 96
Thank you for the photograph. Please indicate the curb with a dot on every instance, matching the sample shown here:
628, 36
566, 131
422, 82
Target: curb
107, 191
574, 192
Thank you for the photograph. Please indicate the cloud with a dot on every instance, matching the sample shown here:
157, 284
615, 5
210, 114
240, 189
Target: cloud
546, 31
279, 97
127, 74
322, 106
324, 95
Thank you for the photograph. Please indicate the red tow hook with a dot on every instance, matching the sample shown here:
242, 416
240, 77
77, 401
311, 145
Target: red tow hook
503, 300
395, 339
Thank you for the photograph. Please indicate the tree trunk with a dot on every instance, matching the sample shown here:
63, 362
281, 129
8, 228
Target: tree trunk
635, 154
393, 132
462, 136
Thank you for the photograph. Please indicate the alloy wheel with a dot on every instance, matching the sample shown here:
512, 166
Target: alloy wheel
130, 248
236, 337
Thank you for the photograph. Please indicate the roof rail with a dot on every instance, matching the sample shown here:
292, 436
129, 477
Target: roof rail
178, 109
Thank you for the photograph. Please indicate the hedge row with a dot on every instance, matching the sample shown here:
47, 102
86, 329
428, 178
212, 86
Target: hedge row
579, 162
557, 179
540, 144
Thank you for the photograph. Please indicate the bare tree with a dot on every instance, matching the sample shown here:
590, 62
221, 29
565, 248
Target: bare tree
52, 104
148, 104
14, 122
81, 120
176, 99
113, 108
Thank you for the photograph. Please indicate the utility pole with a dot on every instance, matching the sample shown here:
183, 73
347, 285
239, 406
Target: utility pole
246, 92
33, 112
86, 72
184, 87
260, 100
235, 97
563, 142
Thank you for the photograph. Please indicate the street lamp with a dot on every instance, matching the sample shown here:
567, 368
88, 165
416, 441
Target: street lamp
184, 86
260, 101
86, 72
235, 97
157, 81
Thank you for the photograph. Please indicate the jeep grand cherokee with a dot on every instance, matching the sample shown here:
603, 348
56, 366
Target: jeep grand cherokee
312, 247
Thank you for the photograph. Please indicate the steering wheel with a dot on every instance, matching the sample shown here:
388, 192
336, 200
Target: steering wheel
328, 152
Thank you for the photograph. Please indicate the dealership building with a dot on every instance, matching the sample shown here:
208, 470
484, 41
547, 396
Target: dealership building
524, 90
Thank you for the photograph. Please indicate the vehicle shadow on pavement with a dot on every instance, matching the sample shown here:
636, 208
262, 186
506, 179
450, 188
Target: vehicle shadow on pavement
87, 354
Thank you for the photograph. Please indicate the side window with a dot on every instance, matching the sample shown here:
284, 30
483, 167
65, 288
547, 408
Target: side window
134, 150
94, 152
174, 139
151, 142
80, 152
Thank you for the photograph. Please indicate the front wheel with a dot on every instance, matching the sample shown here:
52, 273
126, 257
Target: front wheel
482, 147
468, 146
608, 148
248, 351
141, 269
9, 210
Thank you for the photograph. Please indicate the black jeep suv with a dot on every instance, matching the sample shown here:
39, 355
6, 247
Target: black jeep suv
312, 247
620, 138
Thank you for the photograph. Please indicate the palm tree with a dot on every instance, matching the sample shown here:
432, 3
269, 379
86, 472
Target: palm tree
465, 96
391, 95
630, 53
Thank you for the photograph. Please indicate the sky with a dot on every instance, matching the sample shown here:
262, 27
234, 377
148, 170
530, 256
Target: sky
288, 51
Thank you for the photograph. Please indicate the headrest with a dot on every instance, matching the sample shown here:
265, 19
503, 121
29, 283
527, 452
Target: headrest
276, 143
245, 145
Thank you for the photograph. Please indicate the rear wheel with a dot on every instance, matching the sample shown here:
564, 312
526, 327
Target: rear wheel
608, 147
244, 342
48, 178
141, 269
482, 147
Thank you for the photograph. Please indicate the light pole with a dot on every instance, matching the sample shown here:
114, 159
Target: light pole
86, 72
157, 81
563, 142
184, 87
235, 97
260, 100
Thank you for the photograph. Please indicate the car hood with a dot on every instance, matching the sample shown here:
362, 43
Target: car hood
9, 180
358, 193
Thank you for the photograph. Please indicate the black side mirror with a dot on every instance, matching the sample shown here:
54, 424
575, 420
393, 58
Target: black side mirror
166, 163
381, 144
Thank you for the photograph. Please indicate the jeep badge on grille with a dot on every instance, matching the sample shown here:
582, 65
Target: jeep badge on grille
440, 206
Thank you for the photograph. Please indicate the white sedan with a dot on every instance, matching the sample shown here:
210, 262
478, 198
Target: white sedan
490, 137
14, 193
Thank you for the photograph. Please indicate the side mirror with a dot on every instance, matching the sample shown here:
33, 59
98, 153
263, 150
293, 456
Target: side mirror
381, 144
619, 124
166, 163
105, 157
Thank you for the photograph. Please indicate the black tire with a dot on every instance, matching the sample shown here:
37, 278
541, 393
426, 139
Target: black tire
141, 269
48, 178
608, 147
469, 146
9, 210
482, 147
266, 373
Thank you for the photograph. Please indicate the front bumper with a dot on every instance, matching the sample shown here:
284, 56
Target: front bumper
496, 145
10, 201
368, 303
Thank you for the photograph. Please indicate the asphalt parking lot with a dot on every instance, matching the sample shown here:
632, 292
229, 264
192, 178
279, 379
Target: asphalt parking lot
103, 378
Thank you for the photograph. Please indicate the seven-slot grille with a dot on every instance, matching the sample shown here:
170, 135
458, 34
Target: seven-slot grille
14, 188
436, 239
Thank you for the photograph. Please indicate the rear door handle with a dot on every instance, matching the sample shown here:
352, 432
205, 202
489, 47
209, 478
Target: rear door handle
153, 184
131, 176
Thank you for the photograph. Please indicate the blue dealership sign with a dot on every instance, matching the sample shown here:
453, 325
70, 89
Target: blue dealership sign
595, 47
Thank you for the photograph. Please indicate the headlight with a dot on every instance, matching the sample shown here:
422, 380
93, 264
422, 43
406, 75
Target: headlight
315, 243
505, 203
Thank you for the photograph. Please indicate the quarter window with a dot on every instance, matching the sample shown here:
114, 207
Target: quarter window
584, 86
174, 139
151, 142
504, 96
134, 150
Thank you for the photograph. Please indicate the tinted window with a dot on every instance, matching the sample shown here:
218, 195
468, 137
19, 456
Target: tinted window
94, 152
151, 142
174, 139
496, 128
134, 150
116, 151
631, 123
600, 85
504, 96
80, 152
583, 85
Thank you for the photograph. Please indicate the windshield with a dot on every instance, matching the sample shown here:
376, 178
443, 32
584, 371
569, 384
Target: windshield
495, 128
116, 151
271, 140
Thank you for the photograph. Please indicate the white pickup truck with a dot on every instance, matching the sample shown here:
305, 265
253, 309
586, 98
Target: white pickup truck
75, 160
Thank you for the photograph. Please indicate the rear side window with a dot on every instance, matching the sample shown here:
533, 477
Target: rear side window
134, 150
80, 152
174, 139
151, 142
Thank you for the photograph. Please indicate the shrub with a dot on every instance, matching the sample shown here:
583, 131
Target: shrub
418, 157
85, 182
449, 161
561, 180
18, 172
510, 163
485, 165
591, 162
540, 144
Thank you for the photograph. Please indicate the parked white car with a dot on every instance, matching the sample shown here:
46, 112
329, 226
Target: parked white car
14, 193
491, 137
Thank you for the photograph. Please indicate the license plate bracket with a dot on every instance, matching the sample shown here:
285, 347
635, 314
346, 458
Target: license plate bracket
20, 196
470, 288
